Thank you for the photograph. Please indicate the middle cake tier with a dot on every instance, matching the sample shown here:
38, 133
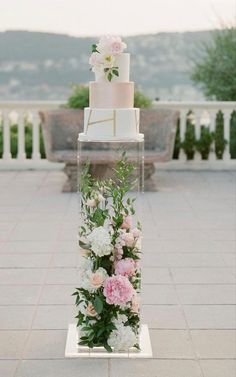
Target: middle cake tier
111, 95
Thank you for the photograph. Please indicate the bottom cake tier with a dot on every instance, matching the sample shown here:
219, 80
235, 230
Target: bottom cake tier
111, 124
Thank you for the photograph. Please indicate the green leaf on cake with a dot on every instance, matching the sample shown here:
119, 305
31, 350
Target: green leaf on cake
94, 48
115, 72
109, 76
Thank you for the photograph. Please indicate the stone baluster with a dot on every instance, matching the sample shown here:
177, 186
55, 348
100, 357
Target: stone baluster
21, 155
227, 117
182, 126
212, 127
36, 141
6, 136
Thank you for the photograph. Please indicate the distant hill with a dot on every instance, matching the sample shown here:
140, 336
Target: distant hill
42, 65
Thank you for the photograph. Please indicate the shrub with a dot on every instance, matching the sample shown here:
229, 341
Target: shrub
203, 145
189, 142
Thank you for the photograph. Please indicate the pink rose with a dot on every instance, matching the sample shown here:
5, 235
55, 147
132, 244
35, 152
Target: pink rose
127, 222
91, 203
117, 47
90, 310
94, 58
96, 279
135, 305
129, 239
136, 232
118, 290
125, 267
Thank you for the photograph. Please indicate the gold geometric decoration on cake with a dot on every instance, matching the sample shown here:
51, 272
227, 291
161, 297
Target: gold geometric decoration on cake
113, 119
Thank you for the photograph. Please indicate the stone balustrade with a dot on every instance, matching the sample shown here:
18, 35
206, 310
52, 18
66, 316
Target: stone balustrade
20, 112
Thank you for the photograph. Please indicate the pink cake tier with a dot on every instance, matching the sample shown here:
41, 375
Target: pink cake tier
111, 95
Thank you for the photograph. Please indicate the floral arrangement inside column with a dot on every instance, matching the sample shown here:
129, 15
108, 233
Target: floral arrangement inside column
108, 298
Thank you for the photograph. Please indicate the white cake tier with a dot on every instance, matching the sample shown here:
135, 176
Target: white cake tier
111, 95
122, 61
111, 124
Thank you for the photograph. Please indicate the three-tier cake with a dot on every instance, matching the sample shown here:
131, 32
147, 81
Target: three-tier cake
111, 114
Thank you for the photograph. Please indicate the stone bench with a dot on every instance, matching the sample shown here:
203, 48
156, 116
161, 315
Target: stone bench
61, 128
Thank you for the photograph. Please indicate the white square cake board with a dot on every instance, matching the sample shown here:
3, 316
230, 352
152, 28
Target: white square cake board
73, 350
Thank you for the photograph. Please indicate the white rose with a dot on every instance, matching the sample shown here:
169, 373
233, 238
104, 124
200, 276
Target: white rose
122, 338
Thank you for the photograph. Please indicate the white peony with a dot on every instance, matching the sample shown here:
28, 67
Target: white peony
122, 338
100, 241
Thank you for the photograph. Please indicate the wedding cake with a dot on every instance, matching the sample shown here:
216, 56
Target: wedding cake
111, 115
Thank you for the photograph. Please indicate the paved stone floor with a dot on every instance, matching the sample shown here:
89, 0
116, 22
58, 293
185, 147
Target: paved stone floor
188, 277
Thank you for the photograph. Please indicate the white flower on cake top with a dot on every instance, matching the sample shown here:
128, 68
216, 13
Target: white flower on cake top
107, 57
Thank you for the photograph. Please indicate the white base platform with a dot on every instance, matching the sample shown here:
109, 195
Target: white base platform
85, 137
74, 350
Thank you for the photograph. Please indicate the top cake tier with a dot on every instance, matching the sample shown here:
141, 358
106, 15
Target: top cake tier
121, 65
108, 60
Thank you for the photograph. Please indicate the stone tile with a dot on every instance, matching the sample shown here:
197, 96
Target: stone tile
171, 344
182, 234
67, 246
218, 368
38, 231
155, 276
22, 276
24, 260
7, 368
164, 294
154, 368
163, 317
12, 343
64, 368
65, 260
27, 247
19, 294
16, 317
63, 276
211, 316
203, 275
229, 259
214, 344
207, 294
46, 344
182, 260
50, 317
57, 294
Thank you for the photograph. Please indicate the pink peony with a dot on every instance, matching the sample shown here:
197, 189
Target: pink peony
129, 239
125, 267
118, 290
127, 222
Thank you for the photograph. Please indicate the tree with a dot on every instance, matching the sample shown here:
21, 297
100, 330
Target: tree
215, 71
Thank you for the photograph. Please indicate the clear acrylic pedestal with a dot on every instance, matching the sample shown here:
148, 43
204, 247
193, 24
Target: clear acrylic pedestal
114, 168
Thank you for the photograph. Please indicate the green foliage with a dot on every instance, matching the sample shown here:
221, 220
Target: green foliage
189, 143
203, 145
79, 98
215, 71
141, 100
232, 146
220, 142
28, 141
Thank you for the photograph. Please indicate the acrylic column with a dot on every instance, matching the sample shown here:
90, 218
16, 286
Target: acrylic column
108, 294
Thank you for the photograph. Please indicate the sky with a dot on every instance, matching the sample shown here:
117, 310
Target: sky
123, 17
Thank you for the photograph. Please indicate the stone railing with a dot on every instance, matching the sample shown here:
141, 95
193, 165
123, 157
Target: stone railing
202, 113
16, 113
